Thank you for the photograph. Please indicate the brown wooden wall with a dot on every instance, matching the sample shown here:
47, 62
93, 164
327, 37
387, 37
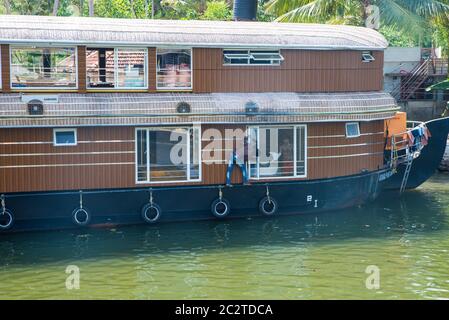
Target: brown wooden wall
81, 64
302, 71
152, 66
5, 65
104, 157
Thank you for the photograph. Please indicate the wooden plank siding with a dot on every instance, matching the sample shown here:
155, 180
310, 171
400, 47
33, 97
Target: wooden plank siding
104, 157
301, 71
152, 66
81, 65
5, 68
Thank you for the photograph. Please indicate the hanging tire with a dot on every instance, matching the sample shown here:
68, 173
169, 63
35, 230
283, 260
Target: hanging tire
220, 207
268, 206
81, 217
6, 219
151, 213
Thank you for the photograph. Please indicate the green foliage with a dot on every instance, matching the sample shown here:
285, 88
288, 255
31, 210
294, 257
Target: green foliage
217, 10
398, 38
440, 36
412, 16
119, 8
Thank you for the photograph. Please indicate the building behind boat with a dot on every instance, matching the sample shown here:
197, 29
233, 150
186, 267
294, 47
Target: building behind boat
89, 108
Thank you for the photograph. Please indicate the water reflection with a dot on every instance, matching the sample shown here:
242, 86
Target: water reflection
414, 212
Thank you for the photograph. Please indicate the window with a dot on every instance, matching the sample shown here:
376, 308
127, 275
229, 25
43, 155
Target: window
168, 154
252, 57
118, 68
367, 56
352, 130
277, 151
33, 67
64, 137
174, 69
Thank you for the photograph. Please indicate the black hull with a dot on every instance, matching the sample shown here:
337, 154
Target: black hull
46, 211
427, 163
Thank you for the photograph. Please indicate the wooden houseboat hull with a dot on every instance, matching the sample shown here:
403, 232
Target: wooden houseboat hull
54, 210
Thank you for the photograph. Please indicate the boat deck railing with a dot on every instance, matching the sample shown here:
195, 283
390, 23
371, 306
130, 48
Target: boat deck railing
402, 149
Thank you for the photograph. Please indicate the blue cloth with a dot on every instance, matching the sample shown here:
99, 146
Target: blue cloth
234, 159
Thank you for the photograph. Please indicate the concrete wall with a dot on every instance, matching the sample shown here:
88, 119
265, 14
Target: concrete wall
396, 60
423, 110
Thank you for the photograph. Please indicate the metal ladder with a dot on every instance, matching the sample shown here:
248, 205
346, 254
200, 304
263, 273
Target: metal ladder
406, 173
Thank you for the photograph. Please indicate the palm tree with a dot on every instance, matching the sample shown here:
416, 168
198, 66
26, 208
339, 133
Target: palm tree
411, 15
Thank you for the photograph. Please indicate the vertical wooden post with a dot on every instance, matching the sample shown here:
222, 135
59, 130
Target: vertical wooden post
6, 68
152, 69
81, 65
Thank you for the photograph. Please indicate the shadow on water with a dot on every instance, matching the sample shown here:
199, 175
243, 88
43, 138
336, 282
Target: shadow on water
414, 212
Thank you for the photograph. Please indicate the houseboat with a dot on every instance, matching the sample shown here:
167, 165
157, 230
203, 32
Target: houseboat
115, 121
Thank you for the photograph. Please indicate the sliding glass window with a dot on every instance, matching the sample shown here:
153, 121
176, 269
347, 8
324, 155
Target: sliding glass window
48, 67
119, 68
279, 151
167, 154
174, 69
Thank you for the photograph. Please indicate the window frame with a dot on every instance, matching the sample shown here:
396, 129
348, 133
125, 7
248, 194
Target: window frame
41, 46
191, 71
367, 57
249, 57
116, 87
295, 151
147, 130
346, 130
75, 135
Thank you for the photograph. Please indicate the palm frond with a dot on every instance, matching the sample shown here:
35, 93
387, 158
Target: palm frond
314, 11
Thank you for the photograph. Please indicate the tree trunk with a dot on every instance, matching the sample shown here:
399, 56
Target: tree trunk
55, 7
91, 8
131, 3
7, 6
202, 6
81, 7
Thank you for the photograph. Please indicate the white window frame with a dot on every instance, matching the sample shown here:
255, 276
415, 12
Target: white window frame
75, 134
116, 86
295, 152
191, 71
189, 179
249, 55
367, 57
346, 130
75, 88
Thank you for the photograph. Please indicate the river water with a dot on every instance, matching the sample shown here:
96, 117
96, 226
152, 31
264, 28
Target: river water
321, 256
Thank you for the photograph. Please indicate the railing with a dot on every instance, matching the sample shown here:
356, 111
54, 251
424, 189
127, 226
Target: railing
415, 81
439, 66
412, 82
402, 150
413, 124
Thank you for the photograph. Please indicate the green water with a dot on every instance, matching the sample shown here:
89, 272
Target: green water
296, 257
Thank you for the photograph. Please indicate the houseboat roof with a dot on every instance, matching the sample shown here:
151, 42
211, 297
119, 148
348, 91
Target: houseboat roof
169, 33
97, 109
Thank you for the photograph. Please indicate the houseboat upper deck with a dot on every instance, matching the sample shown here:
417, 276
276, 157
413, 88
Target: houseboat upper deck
110, 121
